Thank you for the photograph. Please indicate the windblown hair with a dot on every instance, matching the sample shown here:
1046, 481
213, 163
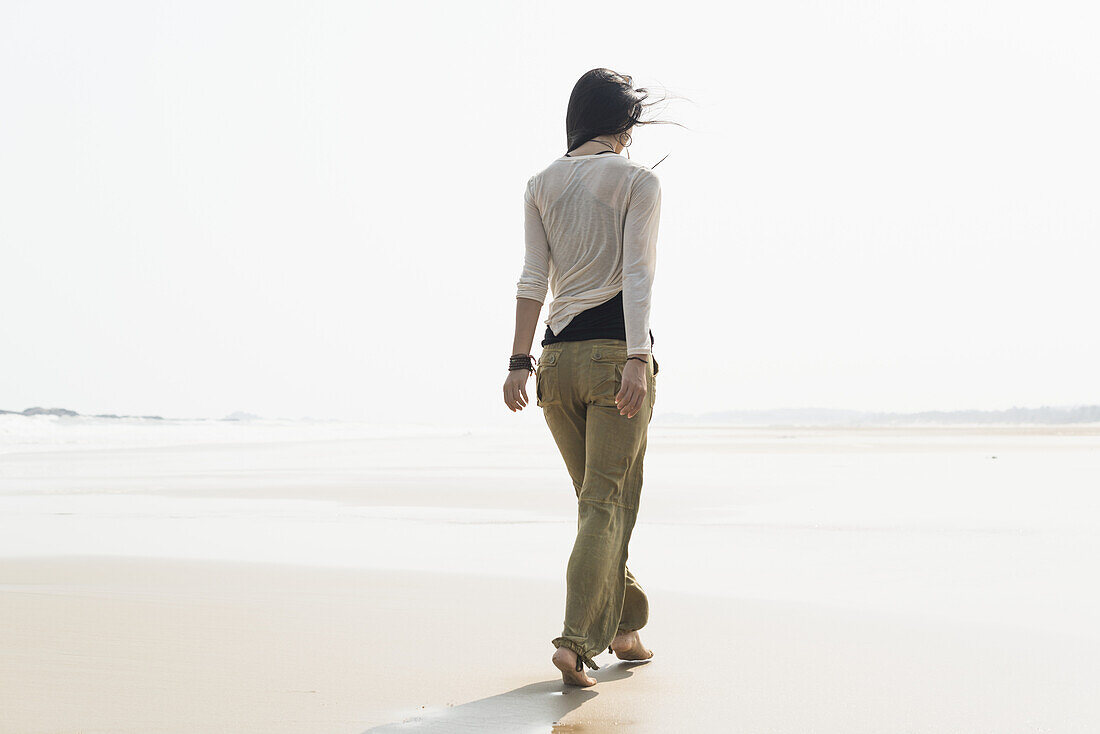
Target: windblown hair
604, 102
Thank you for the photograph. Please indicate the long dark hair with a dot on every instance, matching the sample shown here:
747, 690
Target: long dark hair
604, 102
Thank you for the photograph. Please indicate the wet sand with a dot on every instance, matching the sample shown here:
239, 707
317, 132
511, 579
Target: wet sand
139, 646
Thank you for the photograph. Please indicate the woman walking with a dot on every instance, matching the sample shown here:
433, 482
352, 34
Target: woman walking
591, 220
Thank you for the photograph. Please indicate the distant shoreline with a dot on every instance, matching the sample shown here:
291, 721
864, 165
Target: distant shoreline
1042, 416
837, 417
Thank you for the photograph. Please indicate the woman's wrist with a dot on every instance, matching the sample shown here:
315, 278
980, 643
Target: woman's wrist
521, 362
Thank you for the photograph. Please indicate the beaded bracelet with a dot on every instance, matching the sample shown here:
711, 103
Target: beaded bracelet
521, 362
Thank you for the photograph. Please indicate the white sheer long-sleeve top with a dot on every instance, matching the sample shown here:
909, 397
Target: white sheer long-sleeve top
590, 229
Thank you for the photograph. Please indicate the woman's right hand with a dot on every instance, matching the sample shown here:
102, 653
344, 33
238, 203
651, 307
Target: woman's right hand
515, 389
633, 391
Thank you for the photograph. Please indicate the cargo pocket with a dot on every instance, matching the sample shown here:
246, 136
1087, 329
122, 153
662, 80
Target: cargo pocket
547, 391
607, 374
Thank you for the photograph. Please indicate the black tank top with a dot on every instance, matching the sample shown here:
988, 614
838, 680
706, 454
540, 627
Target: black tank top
604, 321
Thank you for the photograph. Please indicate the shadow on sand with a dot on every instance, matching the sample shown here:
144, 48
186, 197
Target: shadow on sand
533, 708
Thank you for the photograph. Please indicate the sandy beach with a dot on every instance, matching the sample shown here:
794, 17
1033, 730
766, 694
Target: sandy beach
802, 580
262, 470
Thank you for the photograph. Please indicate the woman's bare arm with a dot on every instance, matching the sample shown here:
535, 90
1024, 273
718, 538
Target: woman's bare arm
527, 320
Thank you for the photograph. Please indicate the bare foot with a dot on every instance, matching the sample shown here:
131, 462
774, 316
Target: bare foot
565, 660
628, 646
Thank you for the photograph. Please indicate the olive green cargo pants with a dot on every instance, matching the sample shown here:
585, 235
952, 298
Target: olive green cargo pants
575, 385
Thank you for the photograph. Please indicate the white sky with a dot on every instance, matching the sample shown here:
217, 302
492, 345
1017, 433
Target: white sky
315, 209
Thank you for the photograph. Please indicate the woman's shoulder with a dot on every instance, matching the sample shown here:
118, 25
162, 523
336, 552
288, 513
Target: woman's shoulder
644, 178
639, 172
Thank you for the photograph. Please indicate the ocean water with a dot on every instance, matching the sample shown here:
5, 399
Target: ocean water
992, 525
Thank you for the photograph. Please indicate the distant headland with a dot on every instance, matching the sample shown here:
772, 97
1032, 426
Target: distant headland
66, 413
73, 413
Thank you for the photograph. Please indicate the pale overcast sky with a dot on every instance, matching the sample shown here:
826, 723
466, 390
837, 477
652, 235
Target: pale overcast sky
315, 209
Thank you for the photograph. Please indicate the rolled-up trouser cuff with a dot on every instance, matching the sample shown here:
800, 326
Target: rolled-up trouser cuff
577, 648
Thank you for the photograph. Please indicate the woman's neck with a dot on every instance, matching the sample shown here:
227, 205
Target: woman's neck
592, 146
